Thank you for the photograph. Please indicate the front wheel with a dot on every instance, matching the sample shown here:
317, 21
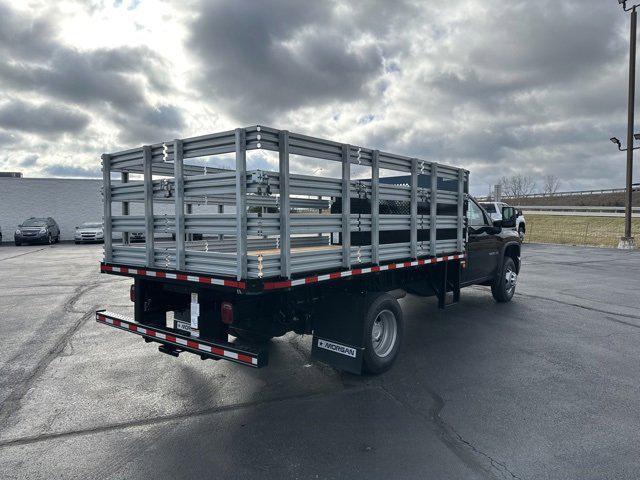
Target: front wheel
504, 285
521, 233
383, 334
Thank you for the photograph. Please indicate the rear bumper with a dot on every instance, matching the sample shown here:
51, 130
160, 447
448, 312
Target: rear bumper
184, 343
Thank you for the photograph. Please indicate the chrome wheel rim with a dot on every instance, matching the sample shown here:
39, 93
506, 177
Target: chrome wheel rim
510, 280
384, 333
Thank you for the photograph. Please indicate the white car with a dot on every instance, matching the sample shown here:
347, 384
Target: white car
494, 209
89, 232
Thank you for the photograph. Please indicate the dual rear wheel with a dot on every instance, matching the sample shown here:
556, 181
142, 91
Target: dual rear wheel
383, 328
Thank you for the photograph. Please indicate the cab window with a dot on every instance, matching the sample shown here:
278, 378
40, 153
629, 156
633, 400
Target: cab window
475, 215
489, 207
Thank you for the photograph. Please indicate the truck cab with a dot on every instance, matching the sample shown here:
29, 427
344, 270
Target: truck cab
493, 249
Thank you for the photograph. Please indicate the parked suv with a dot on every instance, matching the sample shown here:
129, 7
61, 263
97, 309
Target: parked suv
494, 209
89, 232
37, 230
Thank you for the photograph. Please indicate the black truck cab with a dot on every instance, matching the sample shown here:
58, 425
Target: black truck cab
493, 250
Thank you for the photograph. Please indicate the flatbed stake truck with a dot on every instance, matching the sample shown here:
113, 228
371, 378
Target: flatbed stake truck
234, 257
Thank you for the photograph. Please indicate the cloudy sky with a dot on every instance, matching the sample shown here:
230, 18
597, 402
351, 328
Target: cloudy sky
498, 87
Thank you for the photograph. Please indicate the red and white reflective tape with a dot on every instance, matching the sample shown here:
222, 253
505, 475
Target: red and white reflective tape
279, 284
108, 318
358, 271
173, 276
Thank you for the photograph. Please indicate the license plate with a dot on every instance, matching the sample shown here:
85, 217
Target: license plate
185, 326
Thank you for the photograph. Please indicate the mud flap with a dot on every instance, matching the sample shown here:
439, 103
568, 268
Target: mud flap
338, 333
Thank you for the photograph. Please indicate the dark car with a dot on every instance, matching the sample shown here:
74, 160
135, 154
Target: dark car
37, 230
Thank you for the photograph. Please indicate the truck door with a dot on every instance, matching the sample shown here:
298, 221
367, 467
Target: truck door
483, 246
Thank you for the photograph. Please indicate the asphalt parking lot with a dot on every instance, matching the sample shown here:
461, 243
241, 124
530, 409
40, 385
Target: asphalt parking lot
544, 387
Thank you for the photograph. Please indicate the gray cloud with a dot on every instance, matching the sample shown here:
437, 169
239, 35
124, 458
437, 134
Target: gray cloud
153, 124
263, 61
43, 119
73, 171
7, 138
29, 160
112, 82
498, 87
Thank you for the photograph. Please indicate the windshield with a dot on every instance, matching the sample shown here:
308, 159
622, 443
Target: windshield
91, 225
489, 207
35, 222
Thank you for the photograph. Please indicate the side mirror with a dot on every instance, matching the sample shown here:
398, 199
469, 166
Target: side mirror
509, 215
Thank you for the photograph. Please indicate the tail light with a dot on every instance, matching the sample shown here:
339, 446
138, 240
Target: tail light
132, 293
226, 312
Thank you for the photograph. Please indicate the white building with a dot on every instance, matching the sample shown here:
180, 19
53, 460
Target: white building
69, 201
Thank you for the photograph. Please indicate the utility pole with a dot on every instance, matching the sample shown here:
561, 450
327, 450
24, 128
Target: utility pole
627, 242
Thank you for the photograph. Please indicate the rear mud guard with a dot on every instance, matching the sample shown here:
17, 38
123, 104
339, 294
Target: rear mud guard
338, 332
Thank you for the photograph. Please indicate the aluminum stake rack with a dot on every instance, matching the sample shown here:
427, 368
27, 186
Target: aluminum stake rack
275, 226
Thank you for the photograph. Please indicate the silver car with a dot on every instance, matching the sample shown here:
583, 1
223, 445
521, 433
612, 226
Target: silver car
89, 232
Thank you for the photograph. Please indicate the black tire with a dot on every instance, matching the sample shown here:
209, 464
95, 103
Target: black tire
521, 232
379, 356
18, 244
504, 286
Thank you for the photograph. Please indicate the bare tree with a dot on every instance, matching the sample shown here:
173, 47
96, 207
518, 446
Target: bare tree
550, 184
517, 185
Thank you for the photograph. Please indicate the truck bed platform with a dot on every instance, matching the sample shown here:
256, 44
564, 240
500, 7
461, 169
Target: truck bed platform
260, 285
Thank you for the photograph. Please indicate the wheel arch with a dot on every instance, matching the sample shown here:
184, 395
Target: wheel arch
511, 250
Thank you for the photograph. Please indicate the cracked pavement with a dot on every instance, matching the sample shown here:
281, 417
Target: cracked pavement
545, 387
